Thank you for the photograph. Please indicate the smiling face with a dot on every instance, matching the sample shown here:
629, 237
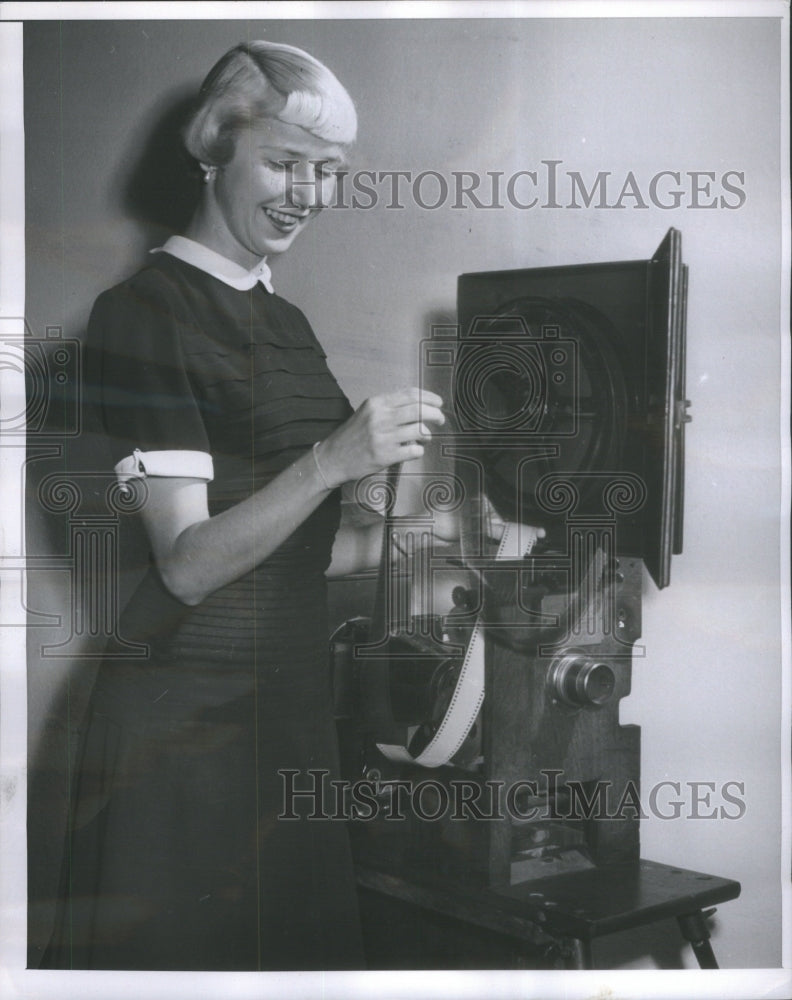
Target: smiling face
278, 179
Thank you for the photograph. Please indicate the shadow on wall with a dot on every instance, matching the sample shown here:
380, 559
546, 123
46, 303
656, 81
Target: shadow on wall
63, 653
160, 192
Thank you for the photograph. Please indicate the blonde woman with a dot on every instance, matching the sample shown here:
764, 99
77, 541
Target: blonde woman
218, 402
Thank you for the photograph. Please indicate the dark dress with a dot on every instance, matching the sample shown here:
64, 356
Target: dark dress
177, 857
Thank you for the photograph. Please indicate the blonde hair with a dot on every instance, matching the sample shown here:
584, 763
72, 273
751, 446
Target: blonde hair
259, 80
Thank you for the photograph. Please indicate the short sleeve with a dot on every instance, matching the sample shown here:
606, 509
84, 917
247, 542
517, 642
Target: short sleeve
149, 398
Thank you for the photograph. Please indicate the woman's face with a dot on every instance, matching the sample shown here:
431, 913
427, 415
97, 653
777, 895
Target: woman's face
279, 178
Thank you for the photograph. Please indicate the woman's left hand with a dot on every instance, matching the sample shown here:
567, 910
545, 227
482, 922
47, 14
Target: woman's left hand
446, 525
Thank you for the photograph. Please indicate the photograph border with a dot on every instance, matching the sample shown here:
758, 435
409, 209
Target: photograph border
15, 979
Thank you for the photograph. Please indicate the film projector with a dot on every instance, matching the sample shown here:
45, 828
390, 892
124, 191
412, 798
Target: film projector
479, 705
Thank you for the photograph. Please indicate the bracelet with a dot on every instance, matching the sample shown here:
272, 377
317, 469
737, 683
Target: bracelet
319, 467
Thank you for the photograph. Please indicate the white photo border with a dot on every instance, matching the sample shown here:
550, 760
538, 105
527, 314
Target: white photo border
15, 980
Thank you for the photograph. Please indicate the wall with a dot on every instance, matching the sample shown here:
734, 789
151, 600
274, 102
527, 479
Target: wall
501, 95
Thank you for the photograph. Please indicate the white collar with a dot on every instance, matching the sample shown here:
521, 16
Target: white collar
213, 263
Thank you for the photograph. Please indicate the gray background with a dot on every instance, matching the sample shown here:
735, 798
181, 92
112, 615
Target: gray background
618, 95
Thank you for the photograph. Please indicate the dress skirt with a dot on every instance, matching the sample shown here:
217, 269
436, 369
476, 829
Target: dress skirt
191, 846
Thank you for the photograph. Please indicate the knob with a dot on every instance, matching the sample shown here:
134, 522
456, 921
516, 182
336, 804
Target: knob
577, 679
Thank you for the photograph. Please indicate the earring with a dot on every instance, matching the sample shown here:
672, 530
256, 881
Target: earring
209, 174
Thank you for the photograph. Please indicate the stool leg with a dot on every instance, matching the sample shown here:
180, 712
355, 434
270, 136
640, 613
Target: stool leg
577, 954
694, 929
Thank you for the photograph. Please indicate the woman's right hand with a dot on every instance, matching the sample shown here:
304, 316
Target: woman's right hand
384, 430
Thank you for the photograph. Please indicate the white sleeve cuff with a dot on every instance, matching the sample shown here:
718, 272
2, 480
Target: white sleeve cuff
189, 464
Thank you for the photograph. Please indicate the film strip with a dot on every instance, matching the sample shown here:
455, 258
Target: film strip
517, 540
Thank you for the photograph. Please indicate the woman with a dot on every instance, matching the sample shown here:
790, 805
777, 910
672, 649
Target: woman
219, 405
